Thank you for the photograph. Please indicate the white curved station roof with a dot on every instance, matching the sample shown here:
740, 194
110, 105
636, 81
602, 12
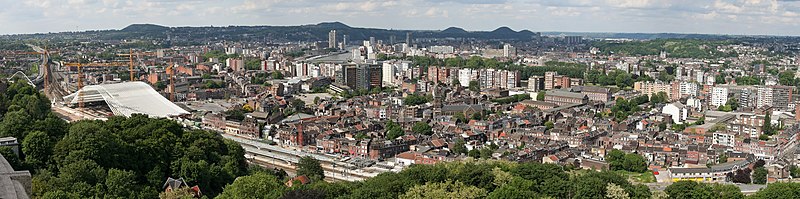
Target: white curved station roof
128, 98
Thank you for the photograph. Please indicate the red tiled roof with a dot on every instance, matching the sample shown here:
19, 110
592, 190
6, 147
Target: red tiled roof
438, 143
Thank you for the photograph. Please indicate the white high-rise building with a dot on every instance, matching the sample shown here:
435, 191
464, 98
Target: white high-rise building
509, 51
332, 39
719, 96
764, 97
699, 76
465, 76
387, 73
688, 88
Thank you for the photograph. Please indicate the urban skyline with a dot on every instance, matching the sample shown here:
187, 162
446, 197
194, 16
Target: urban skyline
750, 17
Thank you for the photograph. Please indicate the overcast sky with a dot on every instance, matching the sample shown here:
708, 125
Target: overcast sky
759, 17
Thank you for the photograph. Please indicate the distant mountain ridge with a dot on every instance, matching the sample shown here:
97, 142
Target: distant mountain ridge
144, 27
319, 32
314, 32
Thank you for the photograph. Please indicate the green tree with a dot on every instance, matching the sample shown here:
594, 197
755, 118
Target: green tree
122, 184
446, 189
37, 148
794, 171
474, 153
12, 158
258, 185
778, 190
310, 167
15, 124
634, 163
727, 191
549, 125
659, 98
460, 118
767, 126
590, 188
394, 133
414, 99
458, 147
688, 190
614, 191
393, 130
474, 86
486, 153
615, 158
517, 189
277, 75
722, 158
422, 128
540, 96
760, 175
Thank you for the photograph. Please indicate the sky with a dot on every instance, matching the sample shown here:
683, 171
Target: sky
750, 17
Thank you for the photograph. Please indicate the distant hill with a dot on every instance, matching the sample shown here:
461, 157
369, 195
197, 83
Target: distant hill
319, 32
454, 30
310, 32
503, 30
144, 28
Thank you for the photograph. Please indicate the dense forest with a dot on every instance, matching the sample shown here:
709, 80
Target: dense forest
680, 48
118, 158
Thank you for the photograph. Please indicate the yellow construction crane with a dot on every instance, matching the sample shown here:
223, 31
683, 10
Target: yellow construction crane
46, 56
130, 59
80, 75
171, 73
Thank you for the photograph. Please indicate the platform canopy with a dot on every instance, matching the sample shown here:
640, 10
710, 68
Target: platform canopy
128, 98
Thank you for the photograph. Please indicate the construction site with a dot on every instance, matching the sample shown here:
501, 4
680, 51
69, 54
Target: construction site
95, 91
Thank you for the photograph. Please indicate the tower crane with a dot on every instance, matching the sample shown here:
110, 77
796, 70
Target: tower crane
45, 72
171, 74
130, 59
80, 75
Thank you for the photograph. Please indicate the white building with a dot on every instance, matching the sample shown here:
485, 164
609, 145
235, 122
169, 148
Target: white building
387, 75
699, 76
677, 110
764, 97
688, 88
332, 39
724, 139
719, 96
509, 51
465, 76
441, 49
694, 103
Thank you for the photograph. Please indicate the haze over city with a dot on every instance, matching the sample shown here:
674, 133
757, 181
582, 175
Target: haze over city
749, 17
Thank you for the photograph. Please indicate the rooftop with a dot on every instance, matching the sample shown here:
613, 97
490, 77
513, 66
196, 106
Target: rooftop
128, 98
